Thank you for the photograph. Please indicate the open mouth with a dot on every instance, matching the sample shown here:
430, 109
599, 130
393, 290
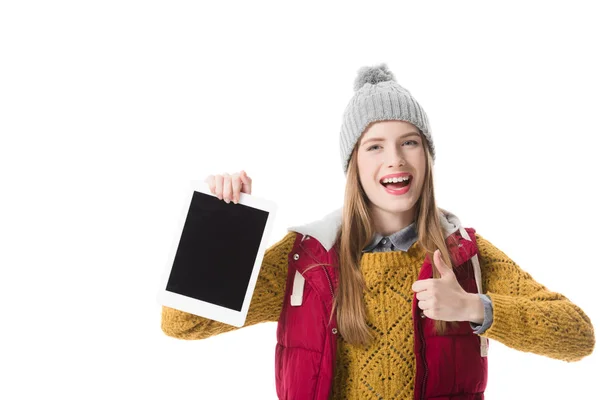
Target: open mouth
398, 185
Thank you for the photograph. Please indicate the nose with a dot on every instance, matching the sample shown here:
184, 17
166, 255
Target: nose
396, 158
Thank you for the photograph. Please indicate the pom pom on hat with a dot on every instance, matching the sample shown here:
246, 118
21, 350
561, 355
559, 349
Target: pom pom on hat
373, 75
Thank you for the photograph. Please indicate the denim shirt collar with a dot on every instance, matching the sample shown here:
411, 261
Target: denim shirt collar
401, 240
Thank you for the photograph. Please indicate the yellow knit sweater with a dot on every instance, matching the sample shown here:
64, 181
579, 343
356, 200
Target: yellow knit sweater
527, 317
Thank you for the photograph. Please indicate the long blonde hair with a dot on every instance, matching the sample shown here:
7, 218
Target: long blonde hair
356, 232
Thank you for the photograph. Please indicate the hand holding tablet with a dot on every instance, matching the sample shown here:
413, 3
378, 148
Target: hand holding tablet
215, 262
228, 187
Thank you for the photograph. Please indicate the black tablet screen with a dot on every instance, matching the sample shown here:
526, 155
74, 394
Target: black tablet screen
217, 251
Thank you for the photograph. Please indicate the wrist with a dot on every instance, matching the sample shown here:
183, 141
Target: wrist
475, 309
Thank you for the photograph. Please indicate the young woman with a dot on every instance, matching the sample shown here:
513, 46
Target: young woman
390, 297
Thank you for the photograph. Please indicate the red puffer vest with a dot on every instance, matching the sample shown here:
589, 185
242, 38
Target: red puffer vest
452, 366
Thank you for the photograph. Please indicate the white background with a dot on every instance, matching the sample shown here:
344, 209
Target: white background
109, 109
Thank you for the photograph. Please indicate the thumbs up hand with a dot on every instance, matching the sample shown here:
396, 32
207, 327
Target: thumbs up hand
444, 299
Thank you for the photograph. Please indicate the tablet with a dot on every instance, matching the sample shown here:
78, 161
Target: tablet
216, 255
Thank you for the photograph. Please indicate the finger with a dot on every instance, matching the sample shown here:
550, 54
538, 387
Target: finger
235, 187
246, 183
424, 305
226, 187
424, 295
219, 186
422, 284
210, 181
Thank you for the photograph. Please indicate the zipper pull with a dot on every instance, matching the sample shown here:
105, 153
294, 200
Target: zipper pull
297, 290
484, 346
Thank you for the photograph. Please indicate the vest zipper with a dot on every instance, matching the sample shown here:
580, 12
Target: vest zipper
328, 280
424, 362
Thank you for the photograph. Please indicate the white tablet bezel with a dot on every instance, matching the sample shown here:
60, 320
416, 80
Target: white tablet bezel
202, 308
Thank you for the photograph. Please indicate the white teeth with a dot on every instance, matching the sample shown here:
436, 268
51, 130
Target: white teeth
394, 180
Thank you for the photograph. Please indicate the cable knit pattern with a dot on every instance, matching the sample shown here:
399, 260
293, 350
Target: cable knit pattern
387, 366
265, 305
527, 317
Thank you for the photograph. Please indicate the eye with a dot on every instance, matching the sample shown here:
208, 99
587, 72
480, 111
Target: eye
408, 141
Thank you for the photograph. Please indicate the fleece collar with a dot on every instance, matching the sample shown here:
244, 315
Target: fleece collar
326, 228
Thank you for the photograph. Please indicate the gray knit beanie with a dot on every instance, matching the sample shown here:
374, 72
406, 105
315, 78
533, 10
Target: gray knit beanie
379, 97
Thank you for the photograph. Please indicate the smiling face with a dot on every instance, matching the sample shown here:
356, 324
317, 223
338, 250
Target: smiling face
391, 148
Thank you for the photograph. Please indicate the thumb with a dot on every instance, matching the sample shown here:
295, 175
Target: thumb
246, 182
441, 266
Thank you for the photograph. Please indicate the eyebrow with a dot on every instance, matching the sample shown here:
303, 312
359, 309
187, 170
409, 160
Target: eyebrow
378, 139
